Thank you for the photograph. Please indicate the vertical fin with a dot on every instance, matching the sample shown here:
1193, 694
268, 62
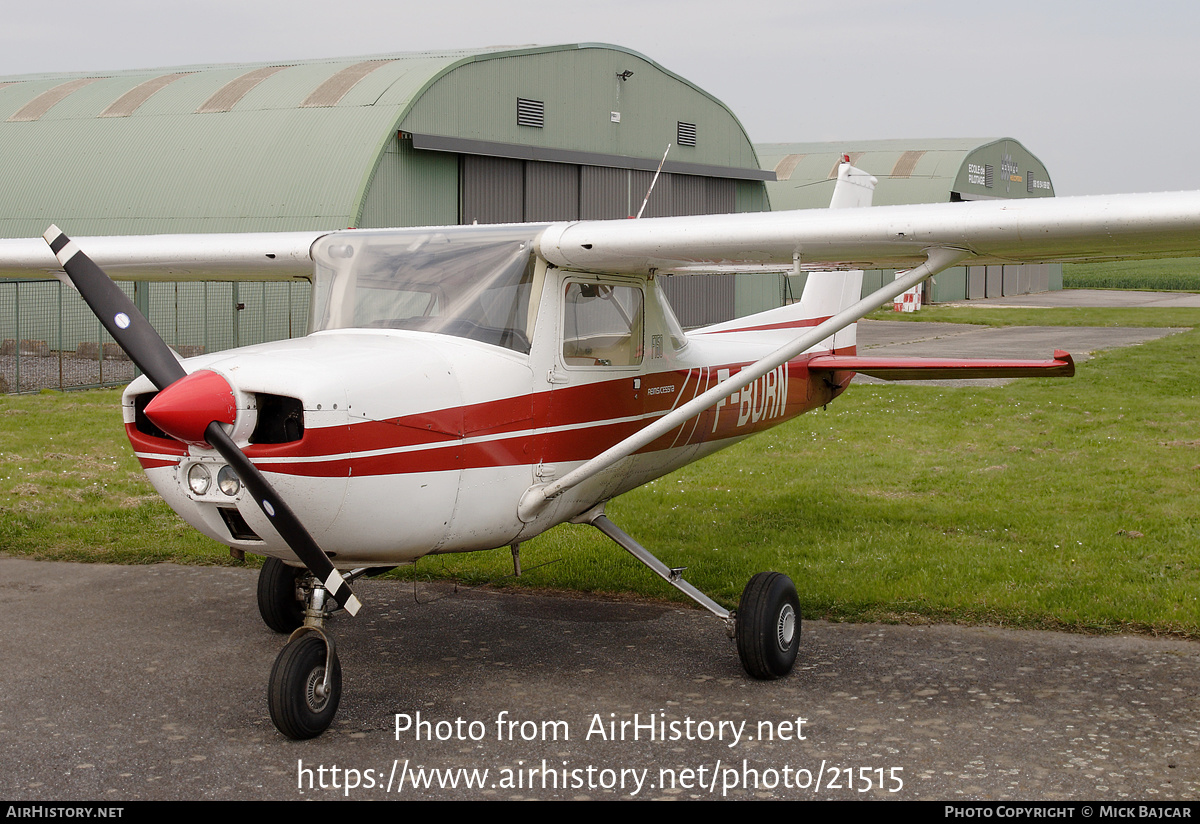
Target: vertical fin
832, 292
825, 293
854, 187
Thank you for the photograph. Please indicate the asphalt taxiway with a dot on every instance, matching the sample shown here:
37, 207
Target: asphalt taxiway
149, 682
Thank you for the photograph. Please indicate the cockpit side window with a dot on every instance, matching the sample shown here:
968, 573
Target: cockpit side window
603, 325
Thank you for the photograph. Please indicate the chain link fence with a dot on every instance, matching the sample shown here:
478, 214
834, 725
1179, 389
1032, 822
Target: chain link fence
49, 338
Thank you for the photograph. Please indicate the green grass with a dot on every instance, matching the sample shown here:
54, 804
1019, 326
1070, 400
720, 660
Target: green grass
1019, 505
1179, 274
71, 489
1047, 316
1064, 503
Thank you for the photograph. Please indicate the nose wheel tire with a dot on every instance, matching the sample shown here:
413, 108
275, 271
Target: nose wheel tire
768, 626
278, 605
301, 704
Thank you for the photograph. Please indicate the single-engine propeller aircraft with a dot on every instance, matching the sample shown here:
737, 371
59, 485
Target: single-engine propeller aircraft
469, 387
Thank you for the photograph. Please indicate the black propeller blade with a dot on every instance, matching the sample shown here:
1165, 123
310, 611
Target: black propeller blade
116, 311
137, 337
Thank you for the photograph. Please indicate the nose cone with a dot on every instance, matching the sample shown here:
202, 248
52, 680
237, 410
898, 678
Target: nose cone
185, 408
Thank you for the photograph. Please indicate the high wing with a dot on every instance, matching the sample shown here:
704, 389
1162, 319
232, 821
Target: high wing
1059, 229
1042, 230
247, 256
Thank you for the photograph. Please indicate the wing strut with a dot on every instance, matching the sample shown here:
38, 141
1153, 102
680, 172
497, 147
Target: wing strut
936, 260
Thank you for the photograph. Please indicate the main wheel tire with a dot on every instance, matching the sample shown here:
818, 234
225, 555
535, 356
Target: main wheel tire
768, 626
298, 706
278, 605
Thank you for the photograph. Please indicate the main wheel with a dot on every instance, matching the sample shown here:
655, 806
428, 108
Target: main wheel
278, 605
300, 705
768, 626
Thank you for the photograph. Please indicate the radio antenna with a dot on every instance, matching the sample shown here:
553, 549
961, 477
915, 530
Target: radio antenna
652, 182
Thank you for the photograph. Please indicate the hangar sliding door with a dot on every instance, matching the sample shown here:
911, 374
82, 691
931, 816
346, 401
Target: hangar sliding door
509, 190
491, 190
551, 191
604, 193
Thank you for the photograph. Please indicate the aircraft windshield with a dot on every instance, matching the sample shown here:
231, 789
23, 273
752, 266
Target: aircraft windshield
470, 282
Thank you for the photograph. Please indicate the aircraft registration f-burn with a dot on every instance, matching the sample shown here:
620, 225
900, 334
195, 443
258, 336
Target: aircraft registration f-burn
469, 387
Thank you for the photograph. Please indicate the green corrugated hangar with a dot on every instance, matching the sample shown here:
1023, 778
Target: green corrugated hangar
936, 170
492, 135
499, 135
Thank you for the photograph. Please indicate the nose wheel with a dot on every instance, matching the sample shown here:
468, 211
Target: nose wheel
306, 685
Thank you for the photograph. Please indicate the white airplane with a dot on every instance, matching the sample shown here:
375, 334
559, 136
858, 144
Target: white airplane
469, 387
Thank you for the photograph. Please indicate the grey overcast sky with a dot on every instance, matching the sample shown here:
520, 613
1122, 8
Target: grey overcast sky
1104, 92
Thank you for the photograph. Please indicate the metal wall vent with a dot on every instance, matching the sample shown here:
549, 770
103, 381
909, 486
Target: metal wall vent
1037, 185
685, 134
531, 113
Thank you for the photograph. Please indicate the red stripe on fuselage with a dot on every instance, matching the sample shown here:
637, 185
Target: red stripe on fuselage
155, 447
800, 323
570, 423
155, 463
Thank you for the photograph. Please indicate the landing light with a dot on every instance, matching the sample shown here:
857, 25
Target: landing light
228, 481
199, 479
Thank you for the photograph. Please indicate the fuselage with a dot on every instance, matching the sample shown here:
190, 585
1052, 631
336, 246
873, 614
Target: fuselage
394, 443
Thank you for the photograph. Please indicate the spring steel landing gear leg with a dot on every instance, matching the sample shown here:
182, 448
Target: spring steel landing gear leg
766, 625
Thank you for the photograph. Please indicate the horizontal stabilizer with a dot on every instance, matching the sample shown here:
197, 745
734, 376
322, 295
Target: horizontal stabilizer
925, 369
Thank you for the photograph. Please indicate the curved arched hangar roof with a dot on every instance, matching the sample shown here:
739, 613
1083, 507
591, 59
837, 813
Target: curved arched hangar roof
934, 170
332, 143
